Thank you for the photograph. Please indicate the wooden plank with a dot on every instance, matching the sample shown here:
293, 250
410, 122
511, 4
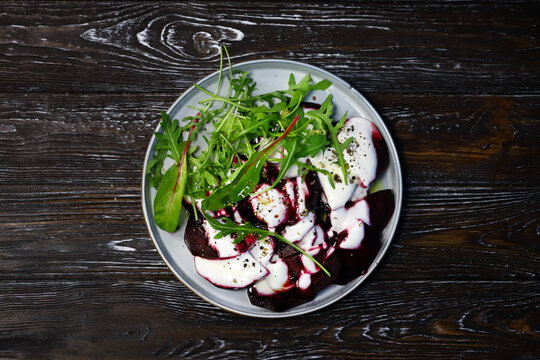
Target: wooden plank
162, 319
467, 47
73, 140
89, 232
474, 139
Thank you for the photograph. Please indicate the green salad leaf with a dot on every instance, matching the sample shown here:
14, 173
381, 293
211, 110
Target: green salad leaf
168, 201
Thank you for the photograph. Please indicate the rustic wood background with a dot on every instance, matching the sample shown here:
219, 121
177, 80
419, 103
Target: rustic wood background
82, 85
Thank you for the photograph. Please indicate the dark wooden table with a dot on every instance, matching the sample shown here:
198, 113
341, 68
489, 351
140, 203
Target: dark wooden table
82, 85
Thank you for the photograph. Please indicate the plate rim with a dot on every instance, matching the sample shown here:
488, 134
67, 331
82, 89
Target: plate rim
392, 230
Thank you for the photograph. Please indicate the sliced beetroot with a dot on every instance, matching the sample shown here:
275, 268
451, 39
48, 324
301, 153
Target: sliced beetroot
306, 105
200, 240
315, 190
381, 149
196, 239
245, 210
361, 154
248, 241
270, 172
381, 208
304, 279
291, 258
356, 262
271, 206
320, 280
284, 300
280, 301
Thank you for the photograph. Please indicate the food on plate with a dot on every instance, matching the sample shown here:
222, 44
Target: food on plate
280, 194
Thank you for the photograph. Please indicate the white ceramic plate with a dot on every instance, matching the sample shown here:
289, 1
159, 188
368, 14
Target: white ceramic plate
270, 75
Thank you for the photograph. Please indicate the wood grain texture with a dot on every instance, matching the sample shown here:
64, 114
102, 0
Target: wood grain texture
403, 47
441, 139
162, 320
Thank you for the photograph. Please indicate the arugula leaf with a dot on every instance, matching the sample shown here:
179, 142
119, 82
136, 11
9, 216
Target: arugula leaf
245, 179
154, 167
167, 145
324, 114
291, 146
170, 138
322, 85
315, 139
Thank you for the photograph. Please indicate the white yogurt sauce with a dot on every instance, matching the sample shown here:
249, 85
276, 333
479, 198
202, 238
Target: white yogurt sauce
359, 193
290, 190
224, 246
338, 195
263, 250
309, 266
277, 279
302, 192
297, 231
361, 158
361, 155
352, 220
312, 241
304, 281
312, 244
293, 171
270, 206
237, 272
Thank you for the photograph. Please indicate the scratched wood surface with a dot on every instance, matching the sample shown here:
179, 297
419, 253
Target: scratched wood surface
82, 85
